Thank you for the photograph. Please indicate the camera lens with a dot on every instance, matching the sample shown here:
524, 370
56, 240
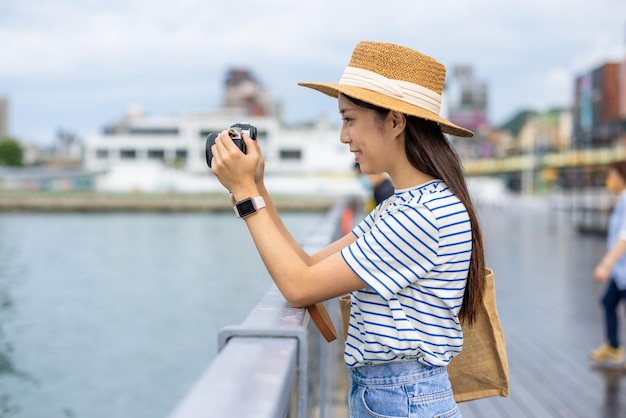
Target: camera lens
210, 140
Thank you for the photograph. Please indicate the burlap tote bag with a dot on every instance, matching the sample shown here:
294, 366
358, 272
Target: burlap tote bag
482, 369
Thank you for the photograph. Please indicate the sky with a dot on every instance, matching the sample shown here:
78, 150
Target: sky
78, 65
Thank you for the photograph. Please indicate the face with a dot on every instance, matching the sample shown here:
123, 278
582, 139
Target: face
615, 182
364, 133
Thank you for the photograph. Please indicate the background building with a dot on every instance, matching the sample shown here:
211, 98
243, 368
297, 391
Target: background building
466, 106
600, 106
169, 152
467, 100
242, 90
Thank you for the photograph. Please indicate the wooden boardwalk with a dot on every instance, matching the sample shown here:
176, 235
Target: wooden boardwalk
551, 316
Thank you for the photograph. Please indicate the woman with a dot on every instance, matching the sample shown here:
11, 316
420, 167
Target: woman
414, 265
612, 268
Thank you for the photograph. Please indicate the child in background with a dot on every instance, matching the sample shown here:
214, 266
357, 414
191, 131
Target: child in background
612, 268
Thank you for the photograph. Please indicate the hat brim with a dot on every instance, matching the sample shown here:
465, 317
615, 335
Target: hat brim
387, 102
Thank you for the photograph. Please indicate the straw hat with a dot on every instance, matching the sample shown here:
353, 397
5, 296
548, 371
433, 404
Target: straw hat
397, 78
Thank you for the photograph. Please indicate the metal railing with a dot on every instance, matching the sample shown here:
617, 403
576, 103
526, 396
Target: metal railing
275, 364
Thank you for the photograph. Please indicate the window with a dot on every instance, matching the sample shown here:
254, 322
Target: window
290, 154
102, 154
153, 131
156, 154
128, 154
181, 154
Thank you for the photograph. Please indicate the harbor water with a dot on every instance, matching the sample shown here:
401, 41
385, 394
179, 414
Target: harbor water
117, 315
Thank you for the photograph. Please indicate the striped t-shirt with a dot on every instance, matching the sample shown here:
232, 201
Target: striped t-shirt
413, 253
617, 231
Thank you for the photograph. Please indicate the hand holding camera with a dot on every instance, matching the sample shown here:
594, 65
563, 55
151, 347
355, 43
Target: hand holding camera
236, 132
229, 161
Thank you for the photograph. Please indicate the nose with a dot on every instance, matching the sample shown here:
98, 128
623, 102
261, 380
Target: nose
344, 137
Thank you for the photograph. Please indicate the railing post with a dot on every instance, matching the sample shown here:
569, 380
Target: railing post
262, 360
273, 318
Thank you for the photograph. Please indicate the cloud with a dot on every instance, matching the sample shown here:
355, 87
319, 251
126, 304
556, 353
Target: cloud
93, 58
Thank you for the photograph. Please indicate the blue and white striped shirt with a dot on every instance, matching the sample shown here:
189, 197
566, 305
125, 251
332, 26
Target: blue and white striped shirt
413, 253
617, 231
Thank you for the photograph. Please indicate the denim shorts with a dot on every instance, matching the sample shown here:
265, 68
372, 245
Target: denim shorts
406, 389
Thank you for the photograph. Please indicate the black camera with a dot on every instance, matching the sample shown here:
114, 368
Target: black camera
235, 131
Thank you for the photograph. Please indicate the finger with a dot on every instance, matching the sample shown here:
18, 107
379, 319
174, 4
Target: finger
250, 143
216, 156
225, 141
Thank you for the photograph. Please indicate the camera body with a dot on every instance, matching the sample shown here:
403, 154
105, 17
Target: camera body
235, 131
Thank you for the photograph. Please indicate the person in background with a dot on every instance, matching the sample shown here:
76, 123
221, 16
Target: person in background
379, 184
383, 186
612, 268
414, 266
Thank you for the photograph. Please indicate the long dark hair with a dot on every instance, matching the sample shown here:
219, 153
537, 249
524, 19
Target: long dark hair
428, 150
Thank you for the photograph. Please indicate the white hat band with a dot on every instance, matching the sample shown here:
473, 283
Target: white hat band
403, 90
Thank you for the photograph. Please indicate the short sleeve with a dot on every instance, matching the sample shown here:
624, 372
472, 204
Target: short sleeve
621, 207
401, 247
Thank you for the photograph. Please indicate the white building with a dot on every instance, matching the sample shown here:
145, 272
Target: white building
177, 144
154, 153
180, 141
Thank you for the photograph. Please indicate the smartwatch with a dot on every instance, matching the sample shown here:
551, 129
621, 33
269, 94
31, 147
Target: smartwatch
248, 206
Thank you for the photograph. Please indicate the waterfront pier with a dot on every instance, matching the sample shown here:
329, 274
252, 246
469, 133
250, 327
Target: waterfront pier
547, 302
550, 312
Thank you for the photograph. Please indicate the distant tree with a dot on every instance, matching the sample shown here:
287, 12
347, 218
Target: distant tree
11, 152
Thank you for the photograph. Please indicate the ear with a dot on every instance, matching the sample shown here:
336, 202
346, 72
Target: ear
397, 122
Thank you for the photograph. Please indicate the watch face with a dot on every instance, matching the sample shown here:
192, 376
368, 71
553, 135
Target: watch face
245, 207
